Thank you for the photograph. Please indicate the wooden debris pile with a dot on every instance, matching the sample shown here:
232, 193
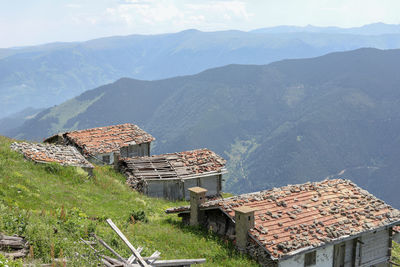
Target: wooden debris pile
13, 246
135, 260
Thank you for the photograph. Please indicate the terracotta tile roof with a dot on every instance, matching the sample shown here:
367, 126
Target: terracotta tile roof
173, 165
108, 139
45, 153
296, 217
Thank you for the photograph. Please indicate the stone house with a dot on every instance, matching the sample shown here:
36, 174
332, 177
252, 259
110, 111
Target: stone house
47, 153
329, 223
100, 144
170, 175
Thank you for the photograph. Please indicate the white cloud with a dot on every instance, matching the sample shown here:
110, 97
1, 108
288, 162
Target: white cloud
46, 21
137, 13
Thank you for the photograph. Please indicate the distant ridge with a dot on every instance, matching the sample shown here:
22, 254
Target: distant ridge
49, 74
369, 29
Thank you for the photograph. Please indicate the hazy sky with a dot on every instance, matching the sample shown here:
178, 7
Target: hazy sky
26, 22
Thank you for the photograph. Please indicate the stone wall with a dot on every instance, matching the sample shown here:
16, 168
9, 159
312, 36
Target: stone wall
259, 254
215, 220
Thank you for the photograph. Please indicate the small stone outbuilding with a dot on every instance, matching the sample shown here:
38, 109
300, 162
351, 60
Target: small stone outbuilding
47, 153
329, 223
170, 175
100, 144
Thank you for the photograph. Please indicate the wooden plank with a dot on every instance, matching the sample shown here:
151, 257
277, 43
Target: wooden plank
132, 257
111, 250
14, 244
16, 238
113, 261
155, 255
182, 262
106, 263
150, 259
374, 262
348, 253
126, 241
145, 258
152, 168
16, 254
87, 243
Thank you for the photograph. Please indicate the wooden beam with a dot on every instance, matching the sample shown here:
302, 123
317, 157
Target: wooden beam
106, 263
182, 262
113, 261
87, 243
112, 250
132, 257
126, 241
155, 255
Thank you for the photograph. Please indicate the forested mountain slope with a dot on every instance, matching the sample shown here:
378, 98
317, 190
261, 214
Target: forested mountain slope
42, 76
286, 122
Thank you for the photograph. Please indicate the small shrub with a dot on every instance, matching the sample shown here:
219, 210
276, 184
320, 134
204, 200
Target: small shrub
138, 216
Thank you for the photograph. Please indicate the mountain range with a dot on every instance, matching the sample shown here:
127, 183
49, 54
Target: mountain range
287, 122
46, 75
369, 29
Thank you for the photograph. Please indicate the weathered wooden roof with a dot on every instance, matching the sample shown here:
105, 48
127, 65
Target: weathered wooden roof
46, 153
295, 218
175, 165
108, 139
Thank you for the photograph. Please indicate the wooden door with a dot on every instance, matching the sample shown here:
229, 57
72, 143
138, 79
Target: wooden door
339, 255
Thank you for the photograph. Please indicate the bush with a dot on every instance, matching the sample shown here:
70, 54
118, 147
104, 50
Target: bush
138, 216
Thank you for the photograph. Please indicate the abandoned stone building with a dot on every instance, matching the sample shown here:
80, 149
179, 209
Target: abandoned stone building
47, 153
99, 144
170, 175
328, 223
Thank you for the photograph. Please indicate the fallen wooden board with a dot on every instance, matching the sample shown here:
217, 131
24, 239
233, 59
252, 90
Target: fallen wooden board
16, 254
13, 246
126, 241
112, 251
182, 262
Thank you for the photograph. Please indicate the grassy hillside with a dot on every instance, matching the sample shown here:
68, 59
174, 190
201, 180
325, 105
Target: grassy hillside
53, 206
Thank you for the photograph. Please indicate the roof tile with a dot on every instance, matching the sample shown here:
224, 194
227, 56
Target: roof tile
46, 153
303, 216
109, 139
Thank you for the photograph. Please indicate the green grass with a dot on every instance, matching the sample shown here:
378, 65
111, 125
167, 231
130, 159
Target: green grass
5, 262
396, 253
54, 206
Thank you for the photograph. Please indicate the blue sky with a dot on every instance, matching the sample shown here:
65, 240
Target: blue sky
28, 22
